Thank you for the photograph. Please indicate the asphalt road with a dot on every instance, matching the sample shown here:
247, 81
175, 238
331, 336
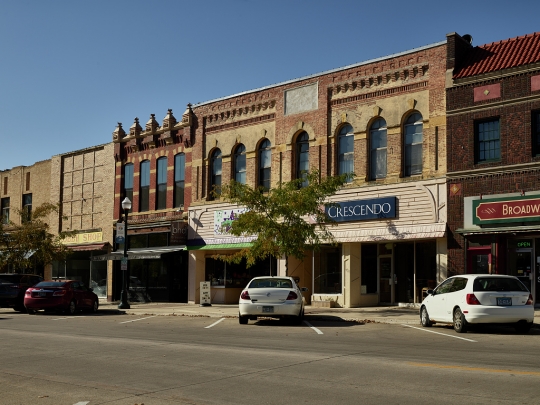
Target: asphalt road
53, 359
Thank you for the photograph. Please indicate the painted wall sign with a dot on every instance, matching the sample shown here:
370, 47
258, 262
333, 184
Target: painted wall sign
504, 210
361, 210
223, 220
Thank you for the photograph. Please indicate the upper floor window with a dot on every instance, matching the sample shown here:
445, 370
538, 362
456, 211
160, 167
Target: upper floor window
215, 180
27, 206
378, 143
161, 195
144, 191
179, 179
240, 164
413, 144
265, 161
4, 206
128, 181
488, 140
346, 150
27, 181
302, 157
536, 132
5, 185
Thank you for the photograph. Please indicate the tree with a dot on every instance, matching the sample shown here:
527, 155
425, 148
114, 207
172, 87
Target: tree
30, 242
285, 220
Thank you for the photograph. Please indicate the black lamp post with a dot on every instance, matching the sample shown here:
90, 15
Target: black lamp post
124, 304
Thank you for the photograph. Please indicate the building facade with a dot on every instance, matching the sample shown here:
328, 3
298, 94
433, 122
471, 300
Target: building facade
493, 139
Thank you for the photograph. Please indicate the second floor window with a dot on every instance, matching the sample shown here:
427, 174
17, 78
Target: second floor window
179, 179
144, 192
302, 157
378, 143
488, 140
27, 206
215, 180
413, 145
128, 181
161, 200
240, 164
4, 205
536, 132
265, 161
346, 150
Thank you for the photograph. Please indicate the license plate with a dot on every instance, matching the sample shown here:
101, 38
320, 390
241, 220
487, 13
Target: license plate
42, 294
504, 301
268, 309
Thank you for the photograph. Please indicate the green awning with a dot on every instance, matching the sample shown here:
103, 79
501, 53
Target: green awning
221, 246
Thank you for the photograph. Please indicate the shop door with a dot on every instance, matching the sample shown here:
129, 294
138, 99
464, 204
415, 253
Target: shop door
524, 266
385, 279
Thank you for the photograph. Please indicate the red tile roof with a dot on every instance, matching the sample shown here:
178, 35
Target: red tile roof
500, 55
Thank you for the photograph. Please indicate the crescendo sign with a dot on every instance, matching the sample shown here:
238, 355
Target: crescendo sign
377, 208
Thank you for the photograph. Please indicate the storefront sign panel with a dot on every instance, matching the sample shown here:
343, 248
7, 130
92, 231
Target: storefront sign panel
89, 237
361, 210
517, 209
179, 232
224, 218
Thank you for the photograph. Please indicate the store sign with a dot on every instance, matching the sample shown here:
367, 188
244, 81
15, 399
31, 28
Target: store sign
361, 210
504, 210
90, 237
223, 220
179, 232
120, 233
205, 298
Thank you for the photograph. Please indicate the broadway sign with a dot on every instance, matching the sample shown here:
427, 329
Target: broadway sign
507, 209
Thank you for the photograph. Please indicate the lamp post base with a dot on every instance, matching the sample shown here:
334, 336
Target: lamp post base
124, 304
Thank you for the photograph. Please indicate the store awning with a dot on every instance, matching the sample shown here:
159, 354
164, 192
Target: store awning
221, 246
85, 247
140, 254
515, 229
403, 232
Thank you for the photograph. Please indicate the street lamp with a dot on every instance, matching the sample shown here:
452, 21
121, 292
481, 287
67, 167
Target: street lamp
124, 304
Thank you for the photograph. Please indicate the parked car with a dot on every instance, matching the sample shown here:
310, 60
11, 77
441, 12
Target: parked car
479, 299
67, 295
19, 284
275, 297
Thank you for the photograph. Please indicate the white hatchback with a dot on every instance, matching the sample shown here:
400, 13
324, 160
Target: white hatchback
479, 299
275, 297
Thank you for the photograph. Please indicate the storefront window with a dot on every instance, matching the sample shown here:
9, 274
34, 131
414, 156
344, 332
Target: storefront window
369, 269
222, 274
328, 274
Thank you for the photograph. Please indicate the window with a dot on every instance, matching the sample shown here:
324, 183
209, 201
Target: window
27, 181
265, 161
488, 140
413, 144
378, 144
128, 181
5, 185
144, 193
346, 150
179, 179
27, 205
4, 205
240, 164
328, 274
535, 132
215, 181
161, 202
302, 157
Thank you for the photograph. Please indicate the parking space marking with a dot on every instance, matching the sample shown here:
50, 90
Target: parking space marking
68, 317
215, 323
140, 319
483, 369
313, 327
439, 333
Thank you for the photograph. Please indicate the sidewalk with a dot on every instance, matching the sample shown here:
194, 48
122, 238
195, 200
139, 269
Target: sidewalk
383, 314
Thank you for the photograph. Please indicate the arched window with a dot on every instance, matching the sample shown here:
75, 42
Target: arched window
378, 142
302, 157
161, 197
128, 181
240, 164
413, 144
144, 192
265, 161
346, 150
179, 179
215, 180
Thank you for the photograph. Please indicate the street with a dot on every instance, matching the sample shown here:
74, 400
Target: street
108, 358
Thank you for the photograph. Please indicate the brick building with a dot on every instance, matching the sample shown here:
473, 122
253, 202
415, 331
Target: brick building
382, 119
493, 139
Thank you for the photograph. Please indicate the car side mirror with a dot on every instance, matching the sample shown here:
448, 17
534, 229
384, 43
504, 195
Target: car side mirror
430, 292
304, 289
90, 289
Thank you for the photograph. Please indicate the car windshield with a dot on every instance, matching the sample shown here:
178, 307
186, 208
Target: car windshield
50, 284
4, 281
498, 284
12, 278
270, 283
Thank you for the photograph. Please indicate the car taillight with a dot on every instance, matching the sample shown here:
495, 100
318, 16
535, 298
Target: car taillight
530, 300
245, 295
28, 292
59, 293
292, 296
472, 300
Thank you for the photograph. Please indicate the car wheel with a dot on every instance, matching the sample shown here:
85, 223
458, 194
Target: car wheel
243, 320
95, 306
19, 309
72, 308
523, 327
424, 318
299, 318
31, 311
460, 323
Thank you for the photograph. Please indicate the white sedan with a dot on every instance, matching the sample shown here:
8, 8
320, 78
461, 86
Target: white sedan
479, 299
275, 297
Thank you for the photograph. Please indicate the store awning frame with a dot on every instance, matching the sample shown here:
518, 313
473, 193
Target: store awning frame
140, 254
222, 246
480, 231
88, 247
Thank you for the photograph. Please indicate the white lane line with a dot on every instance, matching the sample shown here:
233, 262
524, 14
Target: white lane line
439, 333
313, 327
140, 319
69, 317
215, 323
82, 403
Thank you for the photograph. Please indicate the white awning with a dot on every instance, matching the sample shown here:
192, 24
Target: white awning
391, 233
140, 254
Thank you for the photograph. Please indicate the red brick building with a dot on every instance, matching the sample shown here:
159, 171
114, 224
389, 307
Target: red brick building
493, 141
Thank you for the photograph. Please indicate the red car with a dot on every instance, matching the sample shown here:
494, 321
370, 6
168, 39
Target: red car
67, 295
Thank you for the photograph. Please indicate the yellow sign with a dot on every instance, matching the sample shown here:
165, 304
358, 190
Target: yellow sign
90, 237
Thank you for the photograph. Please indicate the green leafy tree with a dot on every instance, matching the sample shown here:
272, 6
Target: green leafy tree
285, 220
29, 242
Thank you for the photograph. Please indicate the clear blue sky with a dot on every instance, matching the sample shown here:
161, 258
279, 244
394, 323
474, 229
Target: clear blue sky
71, 69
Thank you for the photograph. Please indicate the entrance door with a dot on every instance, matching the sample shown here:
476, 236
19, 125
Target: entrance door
385, 279
524, 266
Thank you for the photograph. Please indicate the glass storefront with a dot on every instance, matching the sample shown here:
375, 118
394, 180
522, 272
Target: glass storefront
233, 275
80, 267
327, 275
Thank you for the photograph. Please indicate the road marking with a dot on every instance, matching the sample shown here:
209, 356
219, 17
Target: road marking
82, 403
140, 319
313, 327
215, 323
487, 370
439, 333
69, 317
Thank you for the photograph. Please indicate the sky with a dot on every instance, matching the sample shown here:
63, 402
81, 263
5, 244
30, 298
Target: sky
70, 70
